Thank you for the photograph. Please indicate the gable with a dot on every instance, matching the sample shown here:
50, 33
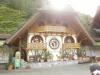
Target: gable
67, 19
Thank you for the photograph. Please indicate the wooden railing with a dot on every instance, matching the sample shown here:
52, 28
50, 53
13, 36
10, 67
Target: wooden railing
41, 46
36, 46
70, 45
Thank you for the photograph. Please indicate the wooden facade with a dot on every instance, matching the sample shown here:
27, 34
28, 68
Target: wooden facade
46, 26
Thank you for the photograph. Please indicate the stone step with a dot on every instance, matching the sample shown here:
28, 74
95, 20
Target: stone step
50, 64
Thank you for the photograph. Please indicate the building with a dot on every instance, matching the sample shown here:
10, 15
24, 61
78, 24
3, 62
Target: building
3, 52
3, 38
96, 33
51, 31
4, 55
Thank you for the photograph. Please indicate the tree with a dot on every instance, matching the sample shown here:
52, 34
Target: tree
86, 21
29, 6
10, 19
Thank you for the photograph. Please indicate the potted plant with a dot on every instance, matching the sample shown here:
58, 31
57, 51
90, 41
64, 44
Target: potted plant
64, 55
46, 55
10, 66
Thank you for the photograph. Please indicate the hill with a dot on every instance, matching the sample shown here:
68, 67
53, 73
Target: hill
11, 19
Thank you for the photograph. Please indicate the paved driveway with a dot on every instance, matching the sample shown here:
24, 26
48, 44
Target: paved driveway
72, 69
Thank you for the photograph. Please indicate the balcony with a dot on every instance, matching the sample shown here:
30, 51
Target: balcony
42, 46
71, 45
36, 46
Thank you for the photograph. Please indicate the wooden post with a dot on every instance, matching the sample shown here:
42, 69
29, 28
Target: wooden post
19, 48
19, 44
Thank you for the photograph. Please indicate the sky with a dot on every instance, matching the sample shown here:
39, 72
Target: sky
88, 7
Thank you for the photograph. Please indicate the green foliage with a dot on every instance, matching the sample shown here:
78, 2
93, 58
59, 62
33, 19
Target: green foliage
86, 21
64, 54
79, 53
46, 54
13, 13
29, 6
10, 19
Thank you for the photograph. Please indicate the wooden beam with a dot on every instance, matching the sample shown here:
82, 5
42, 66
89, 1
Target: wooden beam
20, 42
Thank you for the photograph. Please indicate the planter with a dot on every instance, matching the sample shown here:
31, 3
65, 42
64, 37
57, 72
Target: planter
49, 60
10, 67
45, 60
41, 60
3, 66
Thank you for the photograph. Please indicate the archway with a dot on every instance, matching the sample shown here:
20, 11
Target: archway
37, 39
70, 52
36, 53
69, 39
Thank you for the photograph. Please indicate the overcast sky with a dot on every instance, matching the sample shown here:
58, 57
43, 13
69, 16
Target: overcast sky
85, 6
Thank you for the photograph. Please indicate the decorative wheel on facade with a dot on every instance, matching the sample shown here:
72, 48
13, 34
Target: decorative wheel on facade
54, 43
